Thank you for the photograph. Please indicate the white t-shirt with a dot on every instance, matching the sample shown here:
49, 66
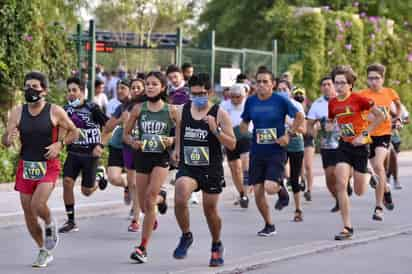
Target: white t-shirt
319, 109
234, 111
111, 106
101, 100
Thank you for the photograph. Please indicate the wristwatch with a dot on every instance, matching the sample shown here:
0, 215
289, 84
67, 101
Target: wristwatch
217, 132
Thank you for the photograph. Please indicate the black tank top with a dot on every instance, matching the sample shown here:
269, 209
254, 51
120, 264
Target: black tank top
196, 133
36, 133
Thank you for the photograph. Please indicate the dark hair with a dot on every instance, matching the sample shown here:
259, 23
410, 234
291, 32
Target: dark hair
36, 75
98, 82
77, 81
160, 76
241, 77
201, 79
137, 80
141, 75
325, 78
264, 70
379, 68
173, 68
347, 71
186, 66
124, 82
288, 84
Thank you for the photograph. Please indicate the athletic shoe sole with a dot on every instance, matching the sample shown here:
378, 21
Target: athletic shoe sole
267, 234
48, 261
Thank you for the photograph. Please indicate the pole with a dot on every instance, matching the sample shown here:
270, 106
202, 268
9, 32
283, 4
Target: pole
79, 49
92, 59
275, 57
179, 47
212, 57
243, 65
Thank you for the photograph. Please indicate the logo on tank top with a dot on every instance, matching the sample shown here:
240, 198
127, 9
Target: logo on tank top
196, 134
153, 127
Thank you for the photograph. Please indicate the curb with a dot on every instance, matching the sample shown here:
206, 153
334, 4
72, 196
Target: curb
265, 259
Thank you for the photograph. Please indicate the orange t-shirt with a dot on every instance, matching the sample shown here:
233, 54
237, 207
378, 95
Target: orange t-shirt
383, 100
349, 114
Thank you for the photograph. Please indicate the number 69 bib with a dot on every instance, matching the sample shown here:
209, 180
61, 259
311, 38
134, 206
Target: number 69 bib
266, 136
152, 143
34, 170
196, 156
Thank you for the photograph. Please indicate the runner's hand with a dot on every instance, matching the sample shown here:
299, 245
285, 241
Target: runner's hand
137, 145
398, 124
13, 136
211, 121
359, 140
168, 141
175, 156
283, 141
53, 150
98, 151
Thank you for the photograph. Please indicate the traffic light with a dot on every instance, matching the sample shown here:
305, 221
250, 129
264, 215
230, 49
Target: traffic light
101, 47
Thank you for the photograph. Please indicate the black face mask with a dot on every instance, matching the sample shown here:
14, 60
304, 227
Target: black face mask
139, 98
155, 98
299, 98
32, 95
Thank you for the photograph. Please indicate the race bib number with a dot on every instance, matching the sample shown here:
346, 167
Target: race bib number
34, 170
196, 156
347, 130
153, 143
266, 136
89, 136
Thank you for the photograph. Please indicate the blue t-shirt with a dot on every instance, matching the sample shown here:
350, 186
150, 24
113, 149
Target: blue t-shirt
268, 117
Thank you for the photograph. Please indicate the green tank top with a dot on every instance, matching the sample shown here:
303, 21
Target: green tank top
152, 126
296, 143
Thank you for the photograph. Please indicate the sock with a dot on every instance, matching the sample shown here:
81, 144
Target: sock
188, 235
70, 212
216, 245
143, 243
241, 194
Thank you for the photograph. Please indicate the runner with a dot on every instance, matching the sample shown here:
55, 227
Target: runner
150, 123
239, 158
36, 125
392, 168
347, 110
84, 153
268, 111
329, 134
201, 130
187, 70
381, 136
295, 150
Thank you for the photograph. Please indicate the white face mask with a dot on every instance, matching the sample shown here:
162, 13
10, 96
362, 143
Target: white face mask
75, 103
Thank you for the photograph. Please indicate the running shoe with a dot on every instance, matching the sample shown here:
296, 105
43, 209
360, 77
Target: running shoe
51, 238
283, 199
374, 180
126, 196
194, 200
346, 234
298, 217
377, 214
244, 202
101, 178
397, 185
69, 226
349, 189
139, 255
336, 207
183, 246
302, 185
268, 230
216, 258
162, 207
43, 259
308, 196
133, 227
387, 201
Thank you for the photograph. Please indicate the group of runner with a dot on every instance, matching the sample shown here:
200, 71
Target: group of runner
169, 121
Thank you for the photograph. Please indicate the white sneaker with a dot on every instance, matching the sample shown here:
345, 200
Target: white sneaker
43, 259
194, 200
397, 185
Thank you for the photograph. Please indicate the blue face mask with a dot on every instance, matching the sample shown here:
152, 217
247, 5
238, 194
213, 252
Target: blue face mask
75, 103
200, 101
284, 94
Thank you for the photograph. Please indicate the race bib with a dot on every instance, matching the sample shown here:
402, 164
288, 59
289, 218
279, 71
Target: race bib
266, 136
34, 170
196, 156
152, 143
347, 130
89, 136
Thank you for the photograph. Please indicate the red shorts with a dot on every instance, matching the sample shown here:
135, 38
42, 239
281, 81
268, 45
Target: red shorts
29, 186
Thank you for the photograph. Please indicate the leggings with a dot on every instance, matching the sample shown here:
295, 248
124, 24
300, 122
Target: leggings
295, 163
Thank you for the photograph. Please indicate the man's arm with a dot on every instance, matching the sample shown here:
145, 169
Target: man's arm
11, 130
379, 117
176, 152
226, 136
299, 123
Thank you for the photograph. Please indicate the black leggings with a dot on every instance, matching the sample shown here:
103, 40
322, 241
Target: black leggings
295, 164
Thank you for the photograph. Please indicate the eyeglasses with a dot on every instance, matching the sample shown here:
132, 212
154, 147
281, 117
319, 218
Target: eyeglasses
262, 81
199, 94
340, 83
235, 96
72, 89
373, 78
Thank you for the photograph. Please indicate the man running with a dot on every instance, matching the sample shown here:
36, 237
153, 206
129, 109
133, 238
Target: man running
329, 134
201, 130
239, 158
84, 153
268, 111
347, 110
38, 123
381, 136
